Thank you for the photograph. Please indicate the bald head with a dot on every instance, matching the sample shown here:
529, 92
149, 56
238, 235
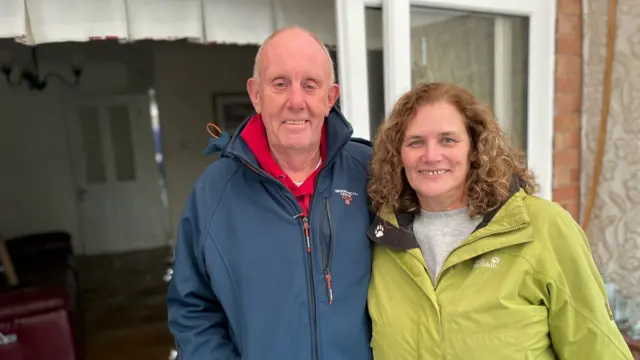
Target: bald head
294, 37
293, 90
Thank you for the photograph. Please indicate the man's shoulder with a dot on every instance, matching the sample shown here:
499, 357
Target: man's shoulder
360, 149
217, 175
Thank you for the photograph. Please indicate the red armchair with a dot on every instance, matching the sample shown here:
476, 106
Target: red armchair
38, 303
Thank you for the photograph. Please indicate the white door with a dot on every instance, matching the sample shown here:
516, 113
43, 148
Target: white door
117, 177
502, 51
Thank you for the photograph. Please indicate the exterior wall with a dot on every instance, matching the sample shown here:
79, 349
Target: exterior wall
568, 99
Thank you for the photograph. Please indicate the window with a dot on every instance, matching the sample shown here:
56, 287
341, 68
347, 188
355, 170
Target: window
485, 54
120, 128
94, 164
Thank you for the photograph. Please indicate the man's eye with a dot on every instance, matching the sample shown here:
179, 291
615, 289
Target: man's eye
279, 84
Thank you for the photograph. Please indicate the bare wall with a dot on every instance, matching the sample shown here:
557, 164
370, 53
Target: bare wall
36, 192
187, 76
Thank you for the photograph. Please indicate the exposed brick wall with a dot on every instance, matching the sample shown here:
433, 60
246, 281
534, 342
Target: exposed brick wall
568, 100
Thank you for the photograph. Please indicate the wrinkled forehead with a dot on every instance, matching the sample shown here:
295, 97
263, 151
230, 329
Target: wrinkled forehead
295, 56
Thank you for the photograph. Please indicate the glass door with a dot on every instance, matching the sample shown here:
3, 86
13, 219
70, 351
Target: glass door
502, 51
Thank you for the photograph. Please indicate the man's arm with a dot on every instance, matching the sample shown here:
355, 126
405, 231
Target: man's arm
196, 318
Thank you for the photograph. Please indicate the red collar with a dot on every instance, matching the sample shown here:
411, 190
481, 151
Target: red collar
255, 136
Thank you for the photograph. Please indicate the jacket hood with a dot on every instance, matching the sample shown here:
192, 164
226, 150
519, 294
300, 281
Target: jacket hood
217, 144
338, 133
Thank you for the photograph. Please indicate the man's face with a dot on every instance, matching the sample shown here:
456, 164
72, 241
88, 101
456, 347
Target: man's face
294, 91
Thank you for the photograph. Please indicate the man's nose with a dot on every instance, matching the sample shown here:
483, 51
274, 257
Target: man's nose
296, 98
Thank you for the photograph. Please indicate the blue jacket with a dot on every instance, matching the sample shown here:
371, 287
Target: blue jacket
244, 284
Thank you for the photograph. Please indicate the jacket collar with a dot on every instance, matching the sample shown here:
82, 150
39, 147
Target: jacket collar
394, 229
338, 133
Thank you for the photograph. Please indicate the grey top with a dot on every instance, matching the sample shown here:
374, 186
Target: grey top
439, 233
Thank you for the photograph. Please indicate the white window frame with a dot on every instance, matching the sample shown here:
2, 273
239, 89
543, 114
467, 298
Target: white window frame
352, 65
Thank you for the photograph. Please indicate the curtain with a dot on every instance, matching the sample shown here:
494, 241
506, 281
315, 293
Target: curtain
12, 19
209, 21
76, 20
614, 232
164, 19
238, 21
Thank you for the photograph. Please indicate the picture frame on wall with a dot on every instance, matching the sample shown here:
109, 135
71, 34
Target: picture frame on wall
230, 110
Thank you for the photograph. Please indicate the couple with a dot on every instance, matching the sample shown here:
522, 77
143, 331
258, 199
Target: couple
278, 257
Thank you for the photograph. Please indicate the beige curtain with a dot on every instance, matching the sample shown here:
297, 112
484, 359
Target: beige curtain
614, 231
209, 21
12, 19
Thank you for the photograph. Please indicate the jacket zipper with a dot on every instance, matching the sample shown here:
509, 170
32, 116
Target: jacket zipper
312, 288
440, 307
326, 258
442, 340
307, 238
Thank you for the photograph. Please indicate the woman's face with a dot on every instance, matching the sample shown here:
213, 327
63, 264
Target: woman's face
435, 154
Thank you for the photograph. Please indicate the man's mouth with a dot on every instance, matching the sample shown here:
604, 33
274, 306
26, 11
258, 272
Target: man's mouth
295, 122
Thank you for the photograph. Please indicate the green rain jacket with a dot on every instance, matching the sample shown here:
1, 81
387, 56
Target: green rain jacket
522, 286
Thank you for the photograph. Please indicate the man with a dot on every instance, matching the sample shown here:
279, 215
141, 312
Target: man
272, 260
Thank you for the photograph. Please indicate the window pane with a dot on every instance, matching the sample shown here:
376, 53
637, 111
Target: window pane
486, 54
120, 127
92, 144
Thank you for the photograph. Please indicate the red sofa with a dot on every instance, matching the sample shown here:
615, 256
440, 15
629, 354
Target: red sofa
40, 318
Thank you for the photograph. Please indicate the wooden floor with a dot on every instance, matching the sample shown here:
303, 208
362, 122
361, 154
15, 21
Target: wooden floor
125, 308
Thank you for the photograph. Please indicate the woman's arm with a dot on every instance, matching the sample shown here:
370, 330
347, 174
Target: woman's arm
580, 319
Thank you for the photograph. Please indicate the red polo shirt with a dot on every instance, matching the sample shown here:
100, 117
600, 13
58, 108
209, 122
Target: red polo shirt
255, 136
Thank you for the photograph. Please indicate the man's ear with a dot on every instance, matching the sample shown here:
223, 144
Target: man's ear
254, 93
334, 93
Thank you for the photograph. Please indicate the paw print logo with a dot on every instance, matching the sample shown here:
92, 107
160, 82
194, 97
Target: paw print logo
495, 260
379, 230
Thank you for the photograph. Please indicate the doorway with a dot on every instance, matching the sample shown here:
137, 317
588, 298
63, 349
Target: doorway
117, 179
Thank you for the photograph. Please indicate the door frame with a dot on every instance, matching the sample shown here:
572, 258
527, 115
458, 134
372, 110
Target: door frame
396, 15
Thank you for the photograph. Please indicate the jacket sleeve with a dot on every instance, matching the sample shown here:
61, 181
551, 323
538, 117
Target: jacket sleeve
195, 315
580, 320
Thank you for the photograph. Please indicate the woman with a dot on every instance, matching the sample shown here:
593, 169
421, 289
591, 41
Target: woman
468, 264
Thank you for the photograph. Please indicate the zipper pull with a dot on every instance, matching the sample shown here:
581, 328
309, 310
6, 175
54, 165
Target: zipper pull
327, 277
305, 220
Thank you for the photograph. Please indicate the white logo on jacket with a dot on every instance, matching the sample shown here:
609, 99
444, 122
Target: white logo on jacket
345, 192
379, 230
347, 196
483, 263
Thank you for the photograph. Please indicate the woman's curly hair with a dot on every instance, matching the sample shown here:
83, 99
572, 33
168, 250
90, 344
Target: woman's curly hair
494, 163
